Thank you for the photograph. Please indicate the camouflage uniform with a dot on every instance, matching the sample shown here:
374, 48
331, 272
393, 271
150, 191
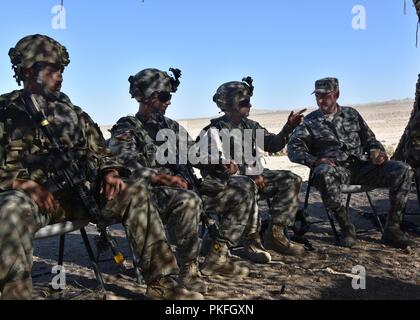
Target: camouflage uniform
346, 138
134, 140
281, 186
20, 217
180, 209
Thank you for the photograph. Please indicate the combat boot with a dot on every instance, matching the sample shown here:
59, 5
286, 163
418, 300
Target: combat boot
166, 288
275, 239
189, 277
393, 235
348, 231
217, 262
254, 250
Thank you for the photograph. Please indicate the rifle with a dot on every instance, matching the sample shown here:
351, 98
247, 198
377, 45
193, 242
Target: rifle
67, 175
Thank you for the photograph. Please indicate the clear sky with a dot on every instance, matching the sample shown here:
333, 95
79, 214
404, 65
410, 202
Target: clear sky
284, 45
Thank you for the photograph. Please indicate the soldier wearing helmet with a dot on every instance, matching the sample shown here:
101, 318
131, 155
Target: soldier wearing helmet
134, 140
26, 201
35, 56
280, 187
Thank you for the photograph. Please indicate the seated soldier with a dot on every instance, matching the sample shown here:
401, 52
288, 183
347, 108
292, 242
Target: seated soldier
280, 187
29, 198
336, 143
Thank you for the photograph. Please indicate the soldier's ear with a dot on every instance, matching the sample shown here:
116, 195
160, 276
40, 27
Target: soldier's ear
337, 94
143, 100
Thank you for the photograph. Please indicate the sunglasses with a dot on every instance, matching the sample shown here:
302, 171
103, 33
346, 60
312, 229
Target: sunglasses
163, 96
244, 103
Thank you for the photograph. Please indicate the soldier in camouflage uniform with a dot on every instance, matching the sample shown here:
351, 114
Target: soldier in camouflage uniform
280, 187
180, 209
134, 140
335, 141
26, 205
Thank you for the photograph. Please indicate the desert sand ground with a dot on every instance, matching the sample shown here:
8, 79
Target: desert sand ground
324, 273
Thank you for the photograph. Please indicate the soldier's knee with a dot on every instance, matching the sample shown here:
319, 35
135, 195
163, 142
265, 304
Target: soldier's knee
16, 206
323, 169
136, 189
185, 195
189, 203
295, 179
323, 173
193, 199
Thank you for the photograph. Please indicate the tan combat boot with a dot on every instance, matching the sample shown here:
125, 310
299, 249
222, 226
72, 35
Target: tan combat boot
275, 239
217, 262
189, 277
254, 249
166, 288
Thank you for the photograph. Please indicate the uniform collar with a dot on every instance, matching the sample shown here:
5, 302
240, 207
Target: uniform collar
321, 116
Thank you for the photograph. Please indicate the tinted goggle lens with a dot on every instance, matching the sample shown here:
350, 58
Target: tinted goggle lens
164, 96
244, 103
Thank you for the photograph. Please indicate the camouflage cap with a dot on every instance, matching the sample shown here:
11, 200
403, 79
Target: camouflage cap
326, 85
148, 81
38, 48
229, 94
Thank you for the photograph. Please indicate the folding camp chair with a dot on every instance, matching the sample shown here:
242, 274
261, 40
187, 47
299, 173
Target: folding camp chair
349, 190
61, 229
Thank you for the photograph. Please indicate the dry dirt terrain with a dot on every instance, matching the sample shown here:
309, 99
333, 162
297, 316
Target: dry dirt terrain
324, 273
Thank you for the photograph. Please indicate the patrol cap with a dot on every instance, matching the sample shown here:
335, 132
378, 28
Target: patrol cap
326, 85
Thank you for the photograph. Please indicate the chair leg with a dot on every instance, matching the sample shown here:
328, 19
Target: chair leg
89, 250
330, 217
348, 202
308, 190
334, 229
374, 213
137, 274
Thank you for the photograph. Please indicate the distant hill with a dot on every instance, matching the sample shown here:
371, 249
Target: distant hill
391, 114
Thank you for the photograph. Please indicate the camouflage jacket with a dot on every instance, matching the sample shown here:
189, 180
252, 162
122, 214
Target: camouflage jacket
272, 142
133, 141
345, 136
20, 137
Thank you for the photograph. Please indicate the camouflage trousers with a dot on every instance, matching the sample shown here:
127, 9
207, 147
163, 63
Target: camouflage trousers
395, 175
180, 211
282, 190
234, 200
20, 219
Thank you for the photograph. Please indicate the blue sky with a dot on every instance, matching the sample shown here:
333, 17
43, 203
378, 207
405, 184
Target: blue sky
284, 45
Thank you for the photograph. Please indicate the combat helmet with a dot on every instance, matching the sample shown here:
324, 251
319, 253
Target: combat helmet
148, 81
229, 94
37, 49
